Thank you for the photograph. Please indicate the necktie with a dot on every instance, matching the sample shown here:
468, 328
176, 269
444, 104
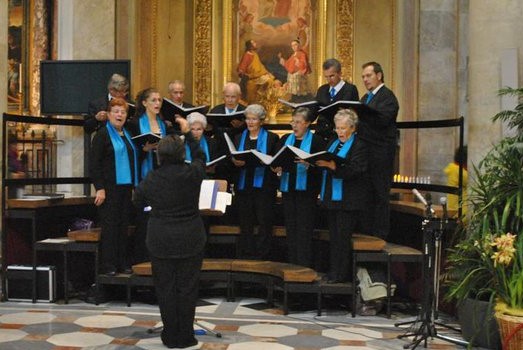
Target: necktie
370, 95
230, 111
332, 92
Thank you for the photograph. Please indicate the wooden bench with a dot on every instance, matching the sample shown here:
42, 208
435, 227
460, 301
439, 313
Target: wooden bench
267, 273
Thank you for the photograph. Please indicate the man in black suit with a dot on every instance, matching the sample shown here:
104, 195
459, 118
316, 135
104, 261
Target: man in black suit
379, 131
118, 86
231, 98
176, 90
335, 90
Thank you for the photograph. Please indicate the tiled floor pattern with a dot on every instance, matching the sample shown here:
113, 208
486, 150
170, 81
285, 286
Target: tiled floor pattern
244, 325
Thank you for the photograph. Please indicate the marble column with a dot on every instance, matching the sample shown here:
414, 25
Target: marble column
494, 26
439, 82
86, 30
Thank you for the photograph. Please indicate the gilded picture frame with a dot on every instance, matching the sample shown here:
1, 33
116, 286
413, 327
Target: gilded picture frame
273, 25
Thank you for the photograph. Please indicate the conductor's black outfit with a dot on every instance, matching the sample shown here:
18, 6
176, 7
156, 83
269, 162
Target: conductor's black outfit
255, 203
300, 203
345, 214
115, 211
175, 240
379, 131
325, 125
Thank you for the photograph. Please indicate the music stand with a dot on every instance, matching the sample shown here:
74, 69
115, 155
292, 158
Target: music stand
432, 230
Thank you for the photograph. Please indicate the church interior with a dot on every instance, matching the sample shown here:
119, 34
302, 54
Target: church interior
444, 60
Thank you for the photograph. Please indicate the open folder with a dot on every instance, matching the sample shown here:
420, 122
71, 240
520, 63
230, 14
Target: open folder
285, 158
141, 140
361, 109
223, 119
170, 109
250, 156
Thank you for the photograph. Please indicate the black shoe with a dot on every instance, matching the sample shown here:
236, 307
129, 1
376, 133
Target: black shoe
110, 273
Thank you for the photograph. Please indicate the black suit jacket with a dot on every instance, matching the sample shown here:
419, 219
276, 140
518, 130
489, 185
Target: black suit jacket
353, 171
348, 92
379, 128
102, 162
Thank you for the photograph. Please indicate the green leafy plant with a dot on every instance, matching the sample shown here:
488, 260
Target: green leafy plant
487, 261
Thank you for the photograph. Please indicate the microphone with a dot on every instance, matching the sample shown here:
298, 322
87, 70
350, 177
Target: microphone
423, 200
443, 202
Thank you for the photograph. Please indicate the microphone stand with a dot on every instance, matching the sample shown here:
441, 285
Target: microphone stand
431, 262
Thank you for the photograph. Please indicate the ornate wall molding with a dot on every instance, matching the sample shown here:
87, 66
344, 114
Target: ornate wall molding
154, 40
38, 51
202, 67
345, 36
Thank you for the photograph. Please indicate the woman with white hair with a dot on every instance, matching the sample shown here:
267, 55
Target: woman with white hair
344, 192
198, 123
255, 187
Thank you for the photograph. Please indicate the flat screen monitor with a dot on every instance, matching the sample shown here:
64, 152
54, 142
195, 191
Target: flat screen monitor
67, 87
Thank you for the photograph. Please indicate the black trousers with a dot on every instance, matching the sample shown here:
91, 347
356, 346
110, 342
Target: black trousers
255, 207
299, 209
381, 168
114, 242
176, 283
342, 224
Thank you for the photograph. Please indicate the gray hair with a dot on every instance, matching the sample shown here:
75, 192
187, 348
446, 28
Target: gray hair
332, 62
305, 113
347, 116
118, 82
256, 110
175, 82
233, 86
196, 117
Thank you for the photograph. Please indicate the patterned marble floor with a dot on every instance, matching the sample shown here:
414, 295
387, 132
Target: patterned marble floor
246, 324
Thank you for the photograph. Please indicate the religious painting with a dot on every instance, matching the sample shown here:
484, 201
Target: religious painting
274, 46
14, 54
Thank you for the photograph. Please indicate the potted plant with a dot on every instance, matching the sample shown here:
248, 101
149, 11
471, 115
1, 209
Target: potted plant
487, 261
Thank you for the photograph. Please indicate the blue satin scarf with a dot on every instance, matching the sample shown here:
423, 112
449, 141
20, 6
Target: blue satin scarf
259, 172
121, 158
337, 184
147, 163
301, 169
203, 145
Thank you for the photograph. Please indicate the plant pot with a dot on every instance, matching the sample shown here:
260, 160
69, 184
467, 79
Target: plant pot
511, 330
478, 324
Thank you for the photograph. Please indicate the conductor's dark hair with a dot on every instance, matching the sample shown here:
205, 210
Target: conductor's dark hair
142, 96
376, 67
461, 157
171, 150
248, 45
332, 62
305, 112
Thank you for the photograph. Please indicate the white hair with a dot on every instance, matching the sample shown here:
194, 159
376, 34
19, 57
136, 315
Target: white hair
347, 116
256, 110
196, 117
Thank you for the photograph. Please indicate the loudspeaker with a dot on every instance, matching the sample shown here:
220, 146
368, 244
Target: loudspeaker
19, 285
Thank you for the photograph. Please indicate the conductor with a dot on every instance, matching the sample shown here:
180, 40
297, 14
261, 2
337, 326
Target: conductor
175, 233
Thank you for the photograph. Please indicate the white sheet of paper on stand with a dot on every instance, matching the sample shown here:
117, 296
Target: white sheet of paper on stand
208, 194
223, 199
